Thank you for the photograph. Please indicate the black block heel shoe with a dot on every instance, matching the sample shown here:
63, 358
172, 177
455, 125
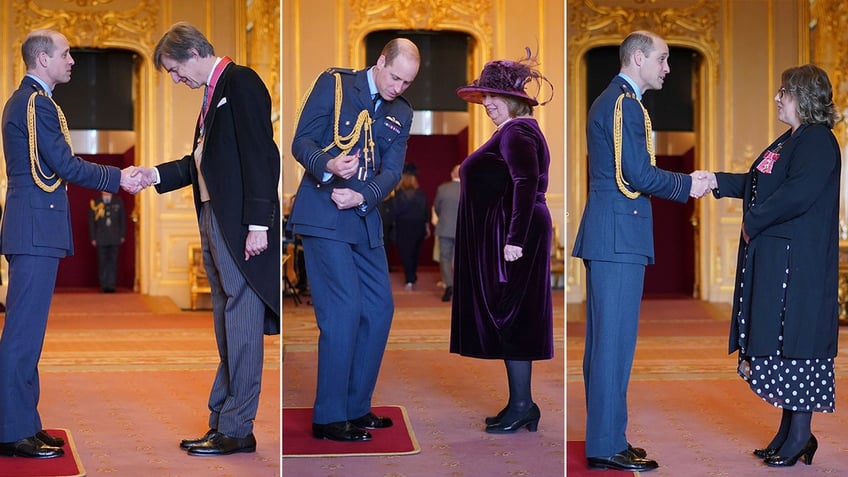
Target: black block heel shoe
530, 419
808, 451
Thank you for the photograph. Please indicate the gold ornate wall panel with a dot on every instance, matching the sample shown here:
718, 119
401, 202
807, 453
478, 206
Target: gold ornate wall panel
263, 51
94, 23
829, 49
829, 44
682, 23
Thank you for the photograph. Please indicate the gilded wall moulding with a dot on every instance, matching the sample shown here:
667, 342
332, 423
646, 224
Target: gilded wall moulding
131, 28
89, 3
464, 15
828, 44
264, 46
591, 23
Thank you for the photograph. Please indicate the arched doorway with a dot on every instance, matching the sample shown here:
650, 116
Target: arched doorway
99, 105
439, 137
672, 110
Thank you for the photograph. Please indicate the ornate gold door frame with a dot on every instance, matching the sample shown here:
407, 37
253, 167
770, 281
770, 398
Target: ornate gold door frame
591, 25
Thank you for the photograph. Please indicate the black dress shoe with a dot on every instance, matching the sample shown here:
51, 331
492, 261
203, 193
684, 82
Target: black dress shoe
30, 447
448, 294
624, 460
370, 421
51, 441
186, 443
340, 431
637, 451
222, 444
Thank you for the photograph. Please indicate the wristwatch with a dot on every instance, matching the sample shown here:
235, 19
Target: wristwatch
363, 206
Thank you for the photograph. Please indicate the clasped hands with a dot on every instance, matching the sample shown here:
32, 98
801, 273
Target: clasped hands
134, 179
702, 182
345, 166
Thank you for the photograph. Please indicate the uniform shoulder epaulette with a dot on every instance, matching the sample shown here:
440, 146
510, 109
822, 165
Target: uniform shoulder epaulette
344, 71
627, 93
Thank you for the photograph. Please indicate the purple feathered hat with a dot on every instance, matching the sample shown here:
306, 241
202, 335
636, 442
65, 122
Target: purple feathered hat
509, 78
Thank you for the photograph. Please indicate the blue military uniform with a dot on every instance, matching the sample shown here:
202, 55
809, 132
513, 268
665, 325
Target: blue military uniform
345, 256
36, 233
615, 241
107, 227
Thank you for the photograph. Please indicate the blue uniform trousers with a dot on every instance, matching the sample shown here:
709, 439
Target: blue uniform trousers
32, 279
613, 298
353, 303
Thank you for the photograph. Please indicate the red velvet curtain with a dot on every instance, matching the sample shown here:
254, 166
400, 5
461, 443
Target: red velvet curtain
80, 270
673, 273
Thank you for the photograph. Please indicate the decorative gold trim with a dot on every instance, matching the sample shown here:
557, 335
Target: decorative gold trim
97, 28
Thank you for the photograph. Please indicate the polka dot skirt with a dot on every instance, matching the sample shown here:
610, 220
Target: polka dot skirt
796, 384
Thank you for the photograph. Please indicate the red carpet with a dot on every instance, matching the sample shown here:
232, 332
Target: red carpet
396, 440
575, 461
68, 465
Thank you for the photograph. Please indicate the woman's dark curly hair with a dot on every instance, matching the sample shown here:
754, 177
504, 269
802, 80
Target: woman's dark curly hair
811, 88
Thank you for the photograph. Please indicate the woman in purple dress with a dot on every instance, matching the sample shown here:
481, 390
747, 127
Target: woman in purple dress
502, 292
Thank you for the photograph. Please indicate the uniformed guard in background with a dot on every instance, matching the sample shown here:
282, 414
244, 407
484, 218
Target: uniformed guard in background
107, 227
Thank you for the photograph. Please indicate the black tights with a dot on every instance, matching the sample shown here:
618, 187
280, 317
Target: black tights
518, 373
793, 433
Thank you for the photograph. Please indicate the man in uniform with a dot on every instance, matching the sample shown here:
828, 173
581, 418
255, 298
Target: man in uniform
351, 139
616, 242
36, 232
107, 226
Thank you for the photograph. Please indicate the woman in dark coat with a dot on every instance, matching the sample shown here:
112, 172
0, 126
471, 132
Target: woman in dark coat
411, 222
502, 292
785, 311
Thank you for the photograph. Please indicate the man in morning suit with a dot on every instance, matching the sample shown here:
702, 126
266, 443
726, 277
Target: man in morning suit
351, 139
446, 207
36, 232
233, 170
615, 241
107, 226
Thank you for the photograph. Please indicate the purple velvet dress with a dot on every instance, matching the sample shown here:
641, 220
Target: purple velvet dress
503, 310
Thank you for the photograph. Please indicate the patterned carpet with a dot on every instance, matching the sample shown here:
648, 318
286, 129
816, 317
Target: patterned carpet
129, 375
446, 396
686, 404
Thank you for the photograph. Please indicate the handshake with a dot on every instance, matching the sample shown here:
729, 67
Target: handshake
134, 179
702, 182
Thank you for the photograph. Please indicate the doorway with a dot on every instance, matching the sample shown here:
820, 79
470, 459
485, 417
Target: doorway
672, 110
99, 105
